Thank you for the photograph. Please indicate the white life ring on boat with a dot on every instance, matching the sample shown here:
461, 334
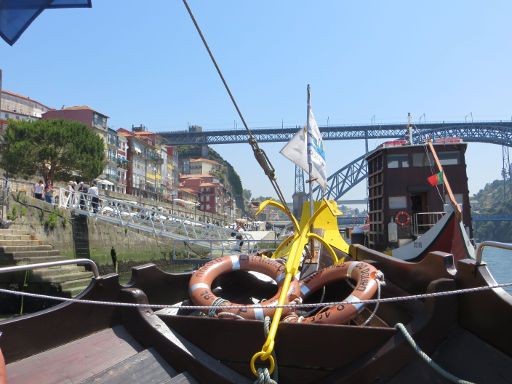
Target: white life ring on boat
366, 276
200, 285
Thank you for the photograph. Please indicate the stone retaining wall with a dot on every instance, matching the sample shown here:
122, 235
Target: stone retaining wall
55, 226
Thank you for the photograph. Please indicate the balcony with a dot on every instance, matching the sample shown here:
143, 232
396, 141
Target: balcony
121, 163
112, 178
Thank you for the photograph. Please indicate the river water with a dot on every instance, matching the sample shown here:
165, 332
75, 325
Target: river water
499, 262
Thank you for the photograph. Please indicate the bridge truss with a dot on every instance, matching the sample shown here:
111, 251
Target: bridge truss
489, 132
340, 182
354, 172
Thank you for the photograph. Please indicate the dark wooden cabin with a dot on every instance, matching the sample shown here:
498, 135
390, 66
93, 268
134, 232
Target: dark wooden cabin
398, 189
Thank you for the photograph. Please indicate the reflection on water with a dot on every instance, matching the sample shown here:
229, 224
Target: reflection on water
499, 263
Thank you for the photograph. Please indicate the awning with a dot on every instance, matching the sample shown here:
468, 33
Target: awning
104, 182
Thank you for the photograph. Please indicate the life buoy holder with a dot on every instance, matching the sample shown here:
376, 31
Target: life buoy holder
402, 218
366, 276
200, 284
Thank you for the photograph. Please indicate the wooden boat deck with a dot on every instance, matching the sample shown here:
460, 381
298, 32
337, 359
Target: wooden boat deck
108, 356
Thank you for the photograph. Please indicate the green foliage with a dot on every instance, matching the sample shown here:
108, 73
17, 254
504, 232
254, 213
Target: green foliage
247, 194
51, 221
54, 149
13, 214
494, 199
23, 211
262, 198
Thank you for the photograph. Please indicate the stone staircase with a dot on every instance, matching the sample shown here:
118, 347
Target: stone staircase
18, 247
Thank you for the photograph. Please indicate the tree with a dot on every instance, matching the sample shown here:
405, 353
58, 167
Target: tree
494, 199
54, 149
247, 194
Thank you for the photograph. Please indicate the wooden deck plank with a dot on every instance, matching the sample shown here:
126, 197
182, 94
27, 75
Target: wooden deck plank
145, 367
73, 362
183, 378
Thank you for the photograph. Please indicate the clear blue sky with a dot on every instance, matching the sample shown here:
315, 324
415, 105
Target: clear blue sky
142, 62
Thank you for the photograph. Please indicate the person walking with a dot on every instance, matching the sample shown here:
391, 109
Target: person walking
38, 190
82, 189
48, 193
95, 197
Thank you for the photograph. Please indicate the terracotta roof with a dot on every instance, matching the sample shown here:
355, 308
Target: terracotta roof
210, 184
188, 190
81, 108
124, 132
23, 97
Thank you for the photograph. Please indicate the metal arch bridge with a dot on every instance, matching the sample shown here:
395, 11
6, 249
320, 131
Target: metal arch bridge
340, 182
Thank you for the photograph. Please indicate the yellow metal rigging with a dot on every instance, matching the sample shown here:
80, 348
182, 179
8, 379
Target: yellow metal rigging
324, 218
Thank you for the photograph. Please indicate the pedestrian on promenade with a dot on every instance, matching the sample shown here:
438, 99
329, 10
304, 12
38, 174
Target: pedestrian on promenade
82, 189
48, 193
38, 190
70, 191
95, 197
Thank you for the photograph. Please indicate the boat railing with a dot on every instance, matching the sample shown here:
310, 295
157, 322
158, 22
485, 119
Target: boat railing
490, 244
29, 267
423, 221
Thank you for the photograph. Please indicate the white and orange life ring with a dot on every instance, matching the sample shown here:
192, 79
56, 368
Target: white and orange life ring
364, 274
200, 284
402, 218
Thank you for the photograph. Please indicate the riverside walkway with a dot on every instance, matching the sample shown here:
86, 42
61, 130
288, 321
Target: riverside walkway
154, 220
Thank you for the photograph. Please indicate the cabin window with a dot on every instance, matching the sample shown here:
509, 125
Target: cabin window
397, 202
449, 158
398, 161
422, 160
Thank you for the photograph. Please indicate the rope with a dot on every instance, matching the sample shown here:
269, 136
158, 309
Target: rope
432, 171
309, 313
376, 306
229, 314
293, 306
427, 359
259, 154
266, 329
215, 305
264, 377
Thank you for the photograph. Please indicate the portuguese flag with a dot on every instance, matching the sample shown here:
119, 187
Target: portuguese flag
436, 179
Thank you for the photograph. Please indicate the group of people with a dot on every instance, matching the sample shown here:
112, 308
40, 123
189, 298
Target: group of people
45, 192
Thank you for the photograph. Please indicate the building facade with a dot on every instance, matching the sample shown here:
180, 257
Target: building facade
204, 166
18, 107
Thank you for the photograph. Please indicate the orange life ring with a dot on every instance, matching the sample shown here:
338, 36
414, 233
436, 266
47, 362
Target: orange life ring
200, 284
366, 276
402, 218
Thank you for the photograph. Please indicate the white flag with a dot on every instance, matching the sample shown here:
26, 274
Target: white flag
296, 150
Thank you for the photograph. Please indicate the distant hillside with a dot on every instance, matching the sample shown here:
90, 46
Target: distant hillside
495, 198
231, 179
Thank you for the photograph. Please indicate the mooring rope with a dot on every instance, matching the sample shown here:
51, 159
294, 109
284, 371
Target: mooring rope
238, 306
447, 375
